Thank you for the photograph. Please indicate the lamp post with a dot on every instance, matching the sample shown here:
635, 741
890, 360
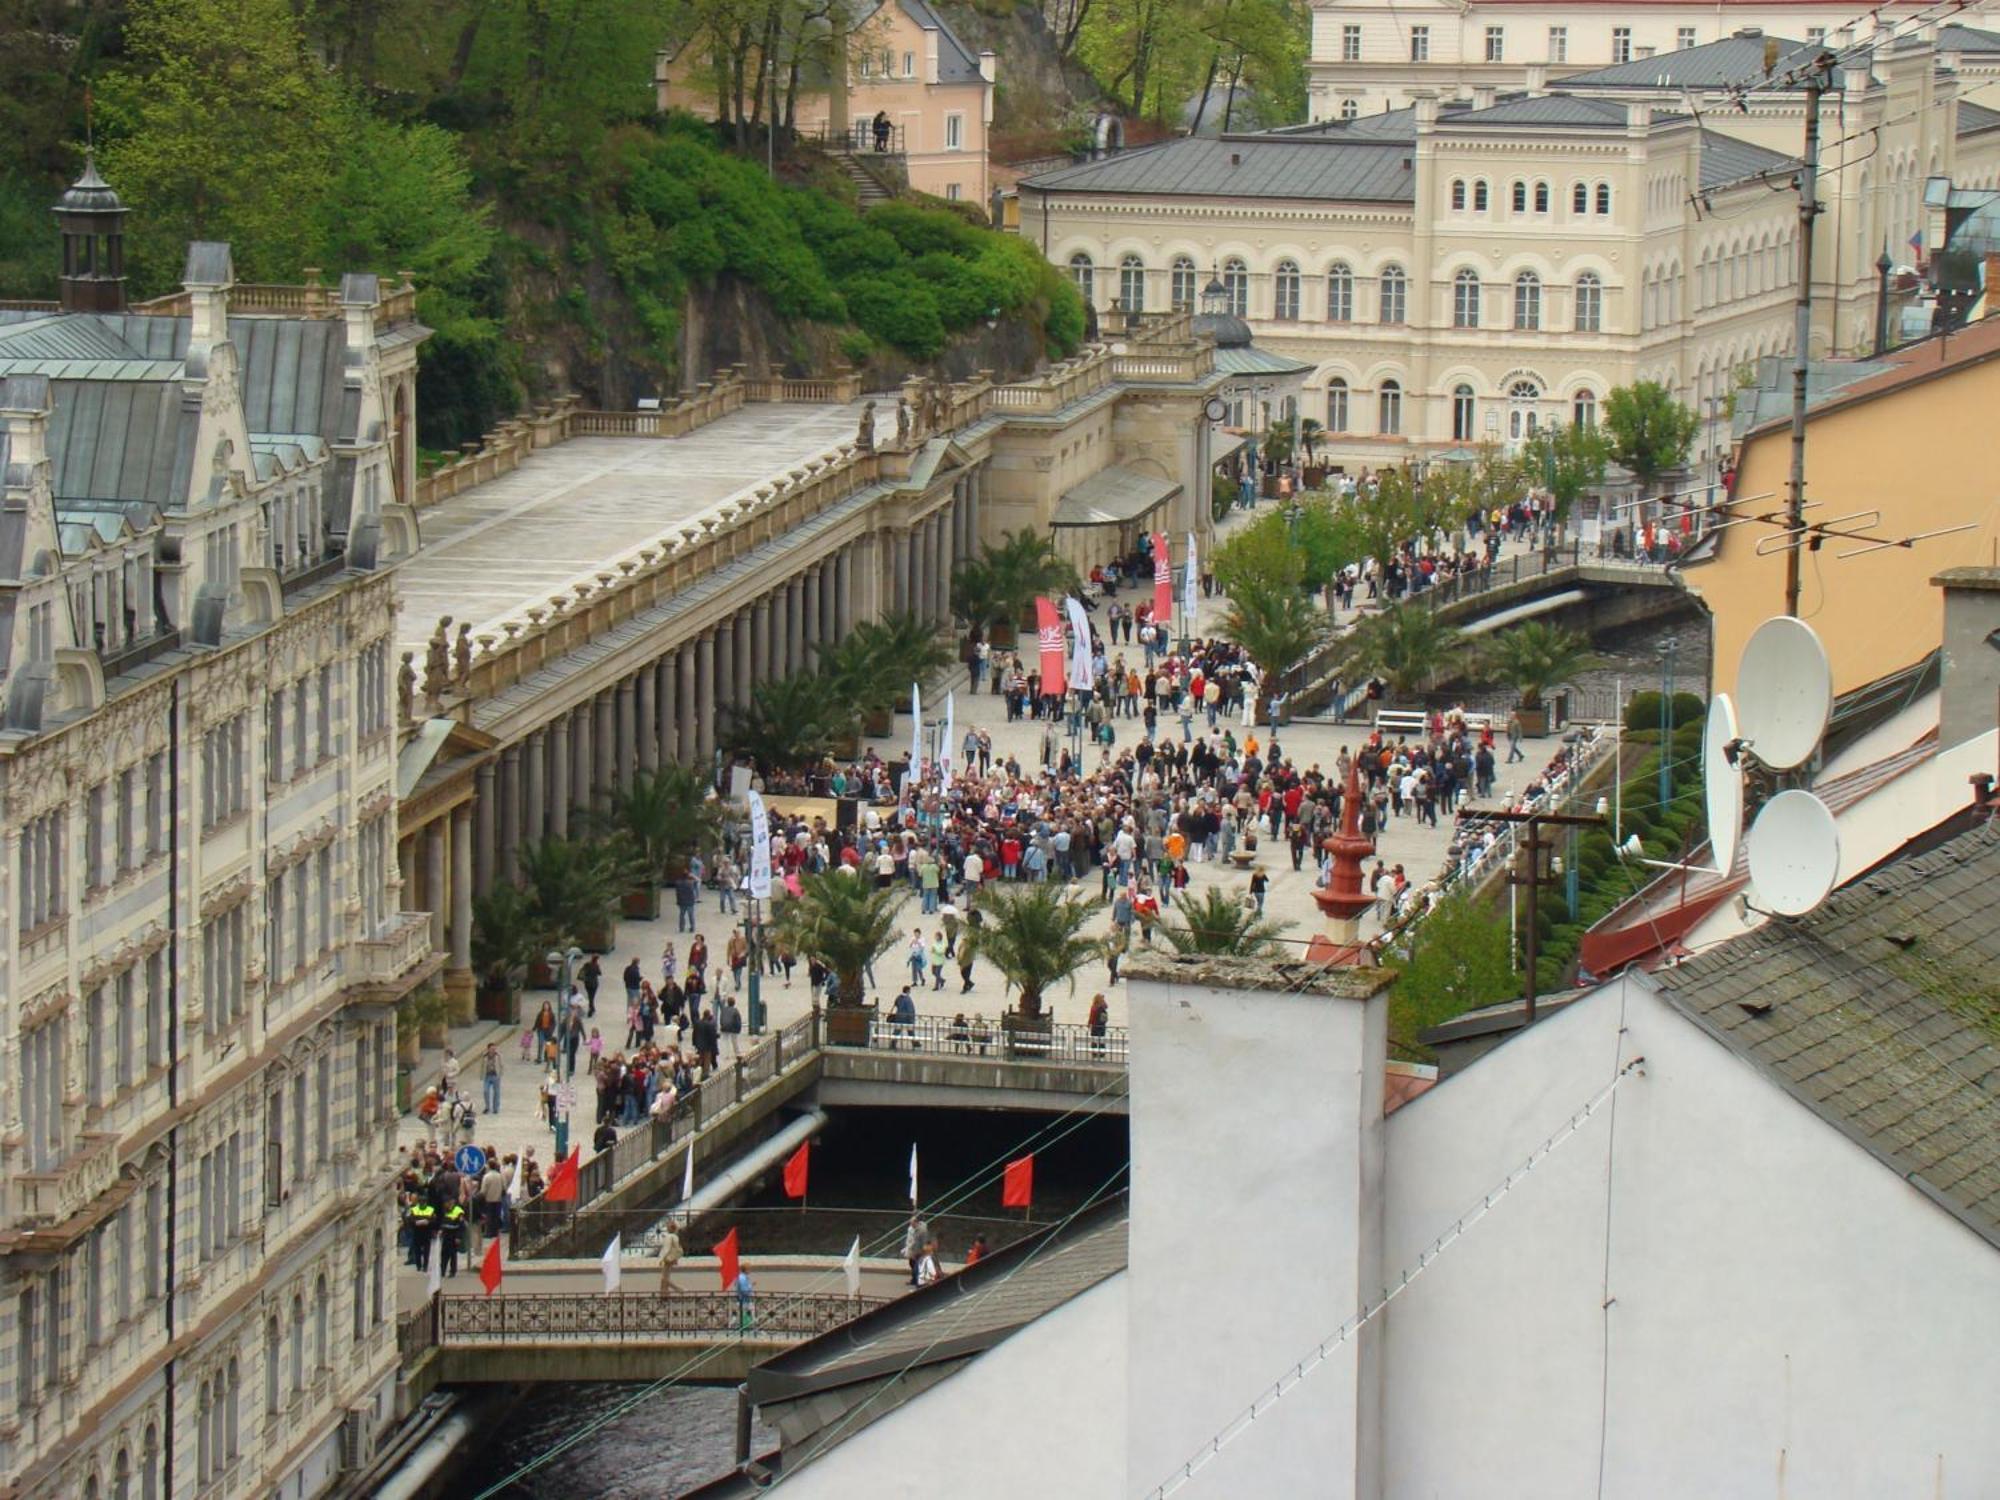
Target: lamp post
1883, 265
1667, 649
563, 964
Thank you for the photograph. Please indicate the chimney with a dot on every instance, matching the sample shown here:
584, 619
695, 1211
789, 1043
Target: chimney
1992, 283
1638, 117
209, 275
1969, 694
1424, 109
989, 65
1538, 79
1483, 96
1221, 1199
24, 417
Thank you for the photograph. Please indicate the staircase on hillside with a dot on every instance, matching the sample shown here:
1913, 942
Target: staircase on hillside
869, 188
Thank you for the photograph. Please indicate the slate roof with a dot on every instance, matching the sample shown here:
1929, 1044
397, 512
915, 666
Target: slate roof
1880, 1012
955, 63
1975, 117
1713, 65
1724, 160
1953, 36
1264, 166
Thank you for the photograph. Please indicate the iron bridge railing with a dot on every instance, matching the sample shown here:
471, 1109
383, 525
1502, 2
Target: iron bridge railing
636, 1317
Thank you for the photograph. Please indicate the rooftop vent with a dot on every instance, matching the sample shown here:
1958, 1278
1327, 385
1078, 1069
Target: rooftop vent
1236, 158
1748, 31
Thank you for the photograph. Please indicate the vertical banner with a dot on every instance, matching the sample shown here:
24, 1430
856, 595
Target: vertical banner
1081, 675
950, 737
1048, 630
916, 736
1163, 582
760, 849
1190, 592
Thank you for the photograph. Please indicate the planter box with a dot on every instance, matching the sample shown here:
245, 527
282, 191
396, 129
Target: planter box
1027, 1036
849, 1025
498, 1004
641, 905
1315, 476
598, 939
540, 976
878, 722
409, 1049
433, 1033
1534, 721
1268, 487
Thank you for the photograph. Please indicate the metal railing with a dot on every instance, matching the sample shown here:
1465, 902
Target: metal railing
416, 1334
955, 1036
627, 1317
858, 137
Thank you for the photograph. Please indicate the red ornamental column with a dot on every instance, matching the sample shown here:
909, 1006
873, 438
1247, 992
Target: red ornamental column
1344, 898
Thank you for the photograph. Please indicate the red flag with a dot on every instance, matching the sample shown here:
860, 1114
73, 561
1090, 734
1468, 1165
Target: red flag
1163, 581
725, 1253
795, 1171
489, 1269
562, 1179
1017, 1183
1048, 628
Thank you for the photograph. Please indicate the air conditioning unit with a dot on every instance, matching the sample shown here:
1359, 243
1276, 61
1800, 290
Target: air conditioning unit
357, 1439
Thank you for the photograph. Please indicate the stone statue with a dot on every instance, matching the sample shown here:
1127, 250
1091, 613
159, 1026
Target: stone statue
406, 686
864, 437
940, 395
437, 661
902, 421
461, 656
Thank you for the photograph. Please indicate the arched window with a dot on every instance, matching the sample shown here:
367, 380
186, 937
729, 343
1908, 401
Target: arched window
1458, 194
1340, 293
360, 1295
298, 1344
1589, 303
1465, 299
1336, 405
1479, 196
1350, 108
322, 1326
1579, 198
1236, 283
1604, 197
1285, 291
121, 1476
1583, 408
1521, 412
1462, 414
232, 1429
1519, 198
1083, 271
1390, 417
1541, 197
1528, 300
1132, 284
149, 1464
90, 1489
1395, 295
204, 1455
1181, 283
274, 1390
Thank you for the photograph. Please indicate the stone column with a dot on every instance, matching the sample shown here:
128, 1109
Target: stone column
899, 572
582, 755
684, 698
510, 808
484, 809
940, 561
647, 718
829, 599
562, 780
760, 614
604, 744
534, 823
458, 979
746, 670
795, 625
815, 635
704, 697
725, 668
434, 893
663, 708
628, 730
843, 590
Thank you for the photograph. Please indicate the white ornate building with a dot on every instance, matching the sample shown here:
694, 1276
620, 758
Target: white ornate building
1466, 270
200, 950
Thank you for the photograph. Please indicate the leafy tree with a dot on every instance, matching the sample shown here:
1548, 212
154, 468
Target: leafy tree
1277, 625
572, 888
1407, 646
1650, 431
1259, 556
1459, 960
504, 943
1452, 493
789, 723
1535, 656
844, 922
1033, 934
1001, 584
663, 818
1567, 460
1219, 922
873, 665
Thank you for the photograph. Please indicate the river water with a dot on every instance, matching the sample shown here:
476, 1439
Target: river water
659, 1445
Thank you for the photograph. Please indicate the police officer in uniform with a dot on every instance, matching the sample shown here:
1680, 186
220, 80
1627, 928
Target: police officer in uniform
423, 1224
451, 1228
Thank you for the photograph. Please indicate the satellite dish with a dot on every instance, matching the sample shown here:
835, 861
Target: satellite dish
1794, 853
1785, 685
1722, 782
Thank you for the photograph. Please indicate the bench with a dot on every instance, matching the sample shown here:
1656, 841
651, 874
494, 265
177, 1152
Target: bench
1418, 721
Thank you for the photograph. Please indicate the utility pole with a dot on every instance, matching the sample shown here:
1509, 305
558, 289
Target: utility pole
1821, 69
1530, 845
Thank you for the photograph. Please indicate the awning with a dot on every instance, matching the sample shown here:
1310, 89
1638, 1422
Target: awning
1225, 445
1113, 497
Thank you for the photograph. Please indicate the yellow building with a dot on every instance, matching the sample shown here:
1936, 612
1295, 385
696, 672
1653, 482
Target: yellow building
1902, 435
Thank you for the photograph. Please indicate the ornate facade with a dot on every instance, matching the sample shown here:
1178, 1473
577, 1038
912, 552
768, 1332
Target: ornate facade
200, 949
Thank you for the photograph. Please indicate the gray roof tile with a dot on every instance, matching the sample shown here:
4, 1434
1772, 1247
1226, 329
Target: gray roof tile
1954, 36
1262, 166
1715, 65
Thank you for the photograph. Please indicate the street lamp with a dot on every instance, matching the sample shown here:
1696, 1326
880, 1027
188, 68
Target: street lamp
562, 963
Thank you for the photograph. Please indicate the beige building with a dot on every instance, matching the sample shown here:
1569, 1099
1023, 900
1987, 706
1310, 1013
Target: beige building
904, 69
200, 947
1460, 271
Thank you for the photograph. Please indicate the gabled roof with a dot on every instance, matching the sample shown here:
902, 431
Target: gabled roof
1725, 159
956, 63
1715, 65
1954, 36
1880, 1012
1973, 118
1255, 166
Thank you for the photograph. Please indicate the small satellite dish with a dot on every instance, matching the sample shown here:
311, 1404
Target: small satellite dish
1794, 853
1785, 687
1722, 782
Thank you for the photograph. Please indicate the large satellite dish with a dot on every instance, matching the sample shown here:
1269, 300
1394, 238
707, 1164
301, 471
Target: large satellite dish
1794, 853
1722, 782
1784, 685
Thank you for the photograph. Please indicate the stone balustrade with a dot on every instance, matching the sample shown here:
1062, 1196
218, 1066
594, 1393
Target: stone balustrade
402, 944
311, 298
45, 1198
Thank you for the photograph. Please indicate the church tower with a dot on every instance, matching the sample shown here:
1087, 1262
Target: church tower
92, 221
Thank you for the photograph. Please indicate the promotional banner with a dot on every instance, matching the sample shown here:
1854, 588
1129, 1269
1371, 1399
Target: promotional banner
1189, 591
1080, 675
916, 735
760, 849
1163, 581
1048, 630
950, 736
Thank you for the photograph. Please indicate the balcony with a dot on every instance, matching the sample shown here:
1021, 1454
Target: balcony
44, 1200
396, 959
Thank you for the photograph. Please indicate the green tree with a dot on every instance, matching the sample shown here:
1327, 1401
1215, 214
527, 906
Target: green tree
1407, 646
504, 942
663, 818
844, 922
1277, 625
1567, 460
1218, 922
1650, 431
1534, 656
789, 723
1000, 585
1259, 556
572, 886
1033, 934
1458, 960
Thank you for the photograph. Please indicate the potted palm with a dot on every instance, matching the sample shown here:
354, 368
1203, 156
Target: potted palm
845, 923
432, 1024
656, 823
981, 598
573, 887
1277, 625
1406, 646
503, 949
409, 1041
1033, 934
789, 723
1532, 658
1219, 923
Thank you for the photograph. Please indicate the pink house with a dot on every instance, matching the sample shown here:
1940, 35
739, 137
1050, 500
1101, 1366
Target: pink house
906, 70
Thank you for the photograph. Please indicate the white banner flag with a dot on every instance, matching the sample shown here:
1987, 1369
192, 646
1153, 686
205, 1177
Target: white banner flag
1080, 660
950, 731
913, 1174
1189, 596
610, 1261
850, 1266
687, 1176
916, 733
760, 849
434, 1265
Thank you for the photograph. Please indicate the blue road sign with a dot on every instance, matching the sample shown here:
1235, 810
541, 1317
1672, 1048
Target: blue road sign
471, 1160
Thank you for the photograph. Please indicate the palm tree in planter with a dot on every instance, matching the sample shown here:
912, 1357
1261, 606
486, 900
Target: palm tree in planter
503, 949
1277, 625
789, 723
1025, 564
573, 886
1033, 934
1532, 658
981, 598
660, 820
1221, 923
1406, 646
843, 921
872, 666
